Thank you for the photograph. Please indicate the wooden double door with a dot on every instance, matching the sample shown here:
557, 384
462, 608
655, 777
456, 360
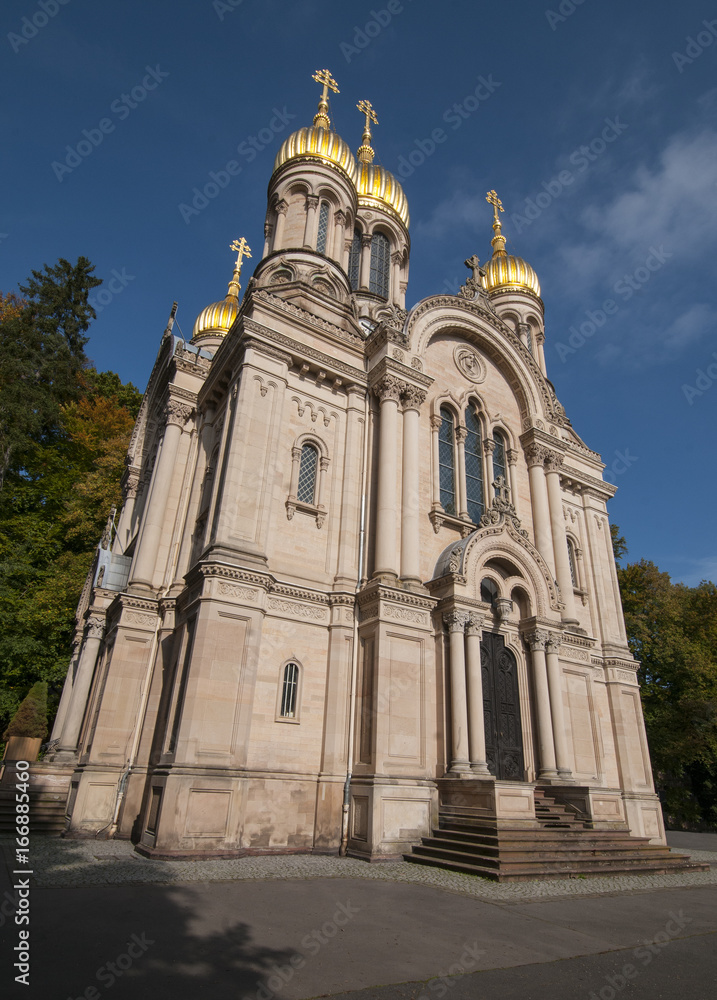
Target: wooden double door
501, 709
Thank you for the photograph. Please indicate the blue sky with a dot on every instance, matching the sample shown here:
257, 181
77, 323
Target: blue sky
594, 121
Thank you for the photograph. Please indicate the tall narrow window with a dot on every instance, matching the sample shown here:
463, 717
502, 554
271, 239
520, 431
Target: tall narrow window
499, 457
323, 227
306, 490
380, 265
573, 563
355, 260
289, 691
474, 468
446, 462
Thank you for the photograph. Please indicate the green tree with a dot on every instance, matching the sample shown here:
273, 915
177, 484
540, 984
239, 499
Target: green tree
42, 349
672, 630
31, 717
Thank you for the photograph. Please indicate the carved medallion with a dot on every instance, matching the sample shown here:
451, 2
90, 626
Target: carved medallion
469, 363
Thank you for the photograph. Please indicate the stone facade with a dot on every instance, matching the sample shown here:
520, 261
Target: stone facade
311, 619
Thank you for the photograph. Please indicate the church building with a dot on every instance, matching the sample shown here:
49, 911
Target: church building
362, 582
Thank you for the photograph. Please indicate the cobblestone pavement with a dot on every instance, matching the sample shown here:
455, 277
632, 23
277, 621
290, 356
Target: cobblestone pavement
57, 862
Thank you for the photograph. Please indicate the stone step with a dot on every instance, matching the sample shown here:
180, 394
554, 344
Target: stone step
533, 834
516, 875
528, 843
547, 853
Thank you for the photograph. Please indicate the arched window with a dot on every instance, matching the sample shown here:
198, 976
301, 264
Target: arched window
446, 462
355, 260
572, 559
306, 489
289, 691
323, 227
380, 265
474, 468
488, 590
499, 468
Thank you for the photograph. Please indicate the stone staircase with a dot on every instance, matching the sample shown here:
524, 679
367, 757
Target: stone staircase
47, 814
563, 845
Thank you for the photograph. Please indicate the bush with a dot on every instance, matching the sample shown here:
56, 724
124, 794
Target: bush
30, 720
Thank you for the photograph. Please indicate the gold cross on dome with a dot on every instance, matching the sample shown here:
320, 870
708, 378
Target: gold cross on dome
493, 199
366, 108
241, 249
325, 78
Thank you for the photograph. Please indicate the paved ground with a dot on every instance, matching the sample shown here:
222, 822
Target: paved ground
105, 921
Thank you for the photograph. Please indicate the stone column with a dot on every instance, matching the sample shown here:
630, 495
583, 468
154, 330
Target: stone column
142, 573
388, 391
312, 204
553, 462
512, 459
456, 623
396, 276
66, 696
413, 398
540, 341
365, 274
348, 568
347, 255
206, 441
94, 630
555, 683
535, 456
337, 246
461, 488
436, 422
268, 230
546, 747
476, 717
488, 447
281, 209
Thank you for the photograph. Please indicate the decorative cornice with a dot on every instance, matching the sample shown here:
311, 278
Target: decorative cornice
301, 351
311, 319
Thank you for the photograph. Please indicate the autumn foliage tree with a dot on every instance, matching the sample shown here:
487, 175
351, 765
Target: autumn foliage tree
61, 473
672, 630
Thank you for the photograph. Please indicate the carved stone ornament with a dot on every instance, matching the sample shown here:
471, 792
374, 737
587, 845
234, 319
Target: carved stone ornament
474, 285
475, 624
537, 639
534, 455
131, 486
389, 387
413, 397
470, 364
417, 364
502, 510
554, 642
456, 621
553, 461
177, 413
454, 561
95, 628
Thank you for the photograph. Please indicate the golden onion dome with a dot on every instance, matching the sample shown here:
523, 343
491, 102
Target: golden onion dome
505, 273
378, 188
317, 143
216, 319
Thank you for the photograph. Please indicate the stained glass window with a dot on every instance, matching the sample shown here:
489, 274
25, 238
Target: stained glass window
380, 265
289, 691
499, 457
323, 227
474, 468
307, 474
355, 259
446, 462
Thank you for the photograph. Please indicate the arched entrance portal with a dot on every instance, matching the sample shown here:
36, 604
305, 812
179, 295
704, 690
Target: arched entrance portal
501, 709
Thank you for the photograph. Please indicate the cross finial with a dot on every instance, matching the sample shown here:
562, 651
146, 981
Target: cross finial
498, 241
324, 77
493, 199
474, 264
502, 490
241, 249
365, 152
